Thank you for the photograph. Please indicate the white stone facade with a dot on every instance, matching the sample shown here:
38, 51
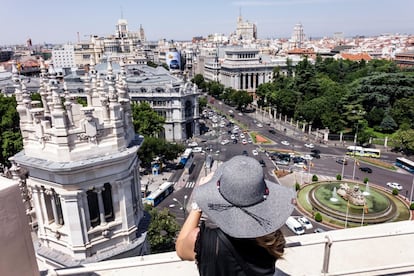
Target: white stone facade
83, 169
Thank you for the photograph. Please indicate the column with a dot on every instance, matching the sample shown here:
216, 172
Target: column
303, 127
43, 205
83, 204
101, 205
84, 215
274, 114
243, 81
38, 209
248, 77
53, 203
255, 80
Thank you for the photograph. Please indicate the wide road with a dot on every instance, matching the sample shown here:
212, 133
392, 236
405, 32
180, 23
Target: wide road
325, 166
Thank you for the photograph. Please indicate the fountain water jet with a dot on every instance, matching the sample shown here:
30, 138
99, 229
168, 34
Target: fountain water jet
334, 197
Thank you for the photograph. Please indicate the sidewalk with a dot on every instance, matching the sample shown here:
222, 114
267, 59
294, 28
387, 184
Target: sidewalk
154, 181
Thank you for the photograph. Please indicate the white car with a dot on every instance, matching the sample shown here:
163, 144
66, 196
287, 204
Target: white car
310, 146
225, 142
242, 136
259, 125
197, 149
255, 152
305, 223
286, 143
395, 185
232, 136
193, 144
244, 142
307, 157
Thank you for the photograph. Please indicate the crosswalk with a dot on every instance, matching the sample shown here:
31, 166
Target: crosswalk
190, 184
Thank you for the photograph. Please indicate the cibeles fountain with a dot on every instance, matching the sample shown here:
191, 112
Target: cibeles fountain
352, 203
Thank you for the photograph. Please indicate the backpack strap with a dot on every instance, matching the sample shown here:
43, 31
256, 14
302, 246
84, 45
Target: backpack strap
233, 251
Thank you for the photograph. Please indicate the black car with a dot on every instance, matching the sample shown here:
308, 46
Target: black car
316, 151
245, 153
262, 163
272, 131
365, 169
315, 155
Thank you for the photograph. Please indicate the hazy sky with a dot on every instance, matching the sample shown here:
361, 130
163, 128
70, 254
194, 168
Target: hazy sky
60, 21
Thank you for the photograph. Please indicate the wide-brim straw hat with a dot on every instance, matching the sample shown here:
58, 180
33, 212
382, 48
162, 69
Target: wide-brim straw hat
241, 202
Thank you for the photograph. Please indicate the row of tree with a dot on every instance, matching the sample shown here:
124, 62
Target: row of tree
374, 98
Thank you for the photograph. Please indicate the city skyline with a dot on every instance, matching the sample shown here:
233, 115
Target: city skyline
49, 22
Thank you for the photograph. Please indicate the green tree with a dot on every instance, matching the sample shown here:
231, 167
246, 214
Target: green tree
404, 140
215, 89
241, 99
146, 121
162, 230
388, 125
156, 147
202, 103
10, 137
199, 81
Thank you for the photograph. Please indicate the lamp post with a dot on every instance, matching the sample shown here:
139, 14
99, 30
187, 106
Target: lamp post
355, 143
182, 205
343, 167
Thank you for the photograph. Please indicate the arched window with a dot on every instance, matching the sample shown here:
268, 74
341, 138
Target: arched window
188, 109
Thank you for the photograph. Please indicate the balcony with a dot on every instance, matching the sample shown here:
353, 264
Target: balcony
369, 250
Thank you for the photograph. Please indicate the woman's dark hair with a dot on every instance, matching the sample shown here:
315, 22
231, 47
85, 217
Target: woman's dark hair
274, 243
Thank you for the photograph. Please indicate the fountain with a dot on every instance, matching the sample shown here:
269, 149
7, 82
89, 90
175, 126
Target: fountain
334, 197
366, 192
343, 201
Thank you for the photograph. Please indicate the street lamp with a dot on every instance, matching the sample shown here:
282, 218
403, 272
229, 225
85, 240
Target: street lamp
182, 205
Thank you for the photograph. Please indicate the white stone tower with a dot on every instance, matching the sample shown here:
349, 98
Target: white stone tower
298, 36
82, 168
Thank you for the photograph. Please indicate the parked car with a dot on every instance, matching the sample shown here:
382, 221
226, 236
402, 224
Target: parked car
262, 163
245, 153
255, 153
305, 223
244, 142
365, 169
294, 226
395, 185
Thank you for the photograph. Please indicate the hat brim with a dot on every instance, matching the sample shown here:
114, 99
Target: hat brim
246, 222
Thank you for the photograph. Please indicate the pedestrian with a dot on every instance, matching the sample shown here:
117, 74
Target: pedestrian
247, 213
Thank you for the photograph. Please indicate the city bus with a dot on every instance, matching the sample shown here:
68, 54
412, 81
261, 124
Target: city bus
405, 164
160, 194
360, 151
186, 156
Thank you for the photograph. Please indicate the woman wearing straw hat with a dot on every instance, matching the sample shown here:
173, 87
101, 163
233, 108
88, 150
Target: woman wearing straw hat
248, 211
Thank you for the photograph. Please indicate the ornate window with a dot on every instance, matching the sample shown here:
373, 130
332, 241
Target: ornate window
93, 206
107, 202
